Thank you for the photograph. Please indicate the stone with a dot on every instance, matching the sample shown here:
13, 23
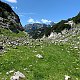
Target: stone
14, 78
39, 56
18, 73
71, 23
67, 77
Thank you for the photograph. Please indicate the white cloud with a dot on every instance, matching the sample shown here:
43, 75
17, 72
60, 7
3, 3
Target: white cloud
45, 21
37, 21
12, 1
31, 20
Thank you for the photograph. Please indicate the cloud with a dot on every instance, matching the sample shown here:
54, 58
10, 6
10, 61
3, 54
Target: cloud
31, 20
12, 1
37, 21
45, 21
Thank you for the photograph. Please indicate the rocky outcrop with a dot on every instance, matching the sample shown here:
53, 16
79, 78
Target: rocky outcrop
34, 26
9, 19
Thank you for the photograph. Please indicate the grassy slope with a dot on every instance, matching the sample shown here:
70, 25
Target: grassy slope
9, 33
59, 60
56, 63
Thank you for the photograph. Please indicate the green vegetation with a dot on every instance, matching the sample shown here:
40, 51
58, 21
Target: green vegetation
9, 33
58, 60
76, 19
9, 19
56, 63
61, 26
39, 33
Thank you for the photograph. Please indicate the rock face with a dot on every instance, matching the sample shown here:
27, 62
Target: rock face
8, 18
37, 30
34, 26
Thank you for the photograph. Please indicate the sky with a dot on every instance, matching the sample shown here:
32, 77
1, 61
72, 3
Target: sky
44, 11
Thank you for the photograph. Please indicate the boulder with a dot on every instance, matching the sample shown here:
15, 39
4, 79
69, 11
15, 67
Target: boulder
67, 77
14, 78
17, 75
39, 56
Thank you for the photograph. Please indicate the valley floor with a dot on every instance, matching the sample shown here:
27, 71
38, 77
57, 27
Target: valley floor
57, 61
21, 54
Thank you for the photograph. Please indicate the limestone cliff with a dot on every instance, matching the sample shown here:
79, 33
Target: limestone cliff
9, 19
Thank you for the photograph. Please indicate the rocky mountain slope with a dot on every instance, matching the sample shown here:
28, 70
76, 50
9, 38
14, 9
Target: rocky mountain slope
34, 26
57, 28
10, 25
37, 30
9, 19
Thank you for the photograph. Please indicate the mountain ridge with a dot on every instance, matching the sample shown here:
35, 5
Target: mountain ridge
9, 19
58, 27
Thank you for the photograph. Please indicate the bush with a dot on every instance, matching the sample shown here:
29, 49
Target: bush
5, 14
47, 31
76, 19
61, 26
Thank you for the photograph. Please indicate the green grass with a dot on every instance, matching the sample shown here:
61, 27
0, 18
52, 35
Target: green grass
59, 60
56, 63
9, 33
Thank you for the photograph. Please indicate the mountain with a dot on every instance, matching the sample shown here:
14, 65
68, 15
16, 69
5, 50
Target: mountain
60, 26
37, 30
34, 26
39, 33
52, 23
9, 19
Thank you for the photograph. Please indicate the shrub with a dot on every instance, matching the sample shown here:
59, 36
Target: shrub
76, 19
61, 26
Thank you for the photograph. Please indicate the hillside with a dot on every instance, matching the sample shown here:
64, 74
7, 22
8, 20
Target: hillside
35, 26
9, 19
37, 30
60, 56
40, 31
10, 26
